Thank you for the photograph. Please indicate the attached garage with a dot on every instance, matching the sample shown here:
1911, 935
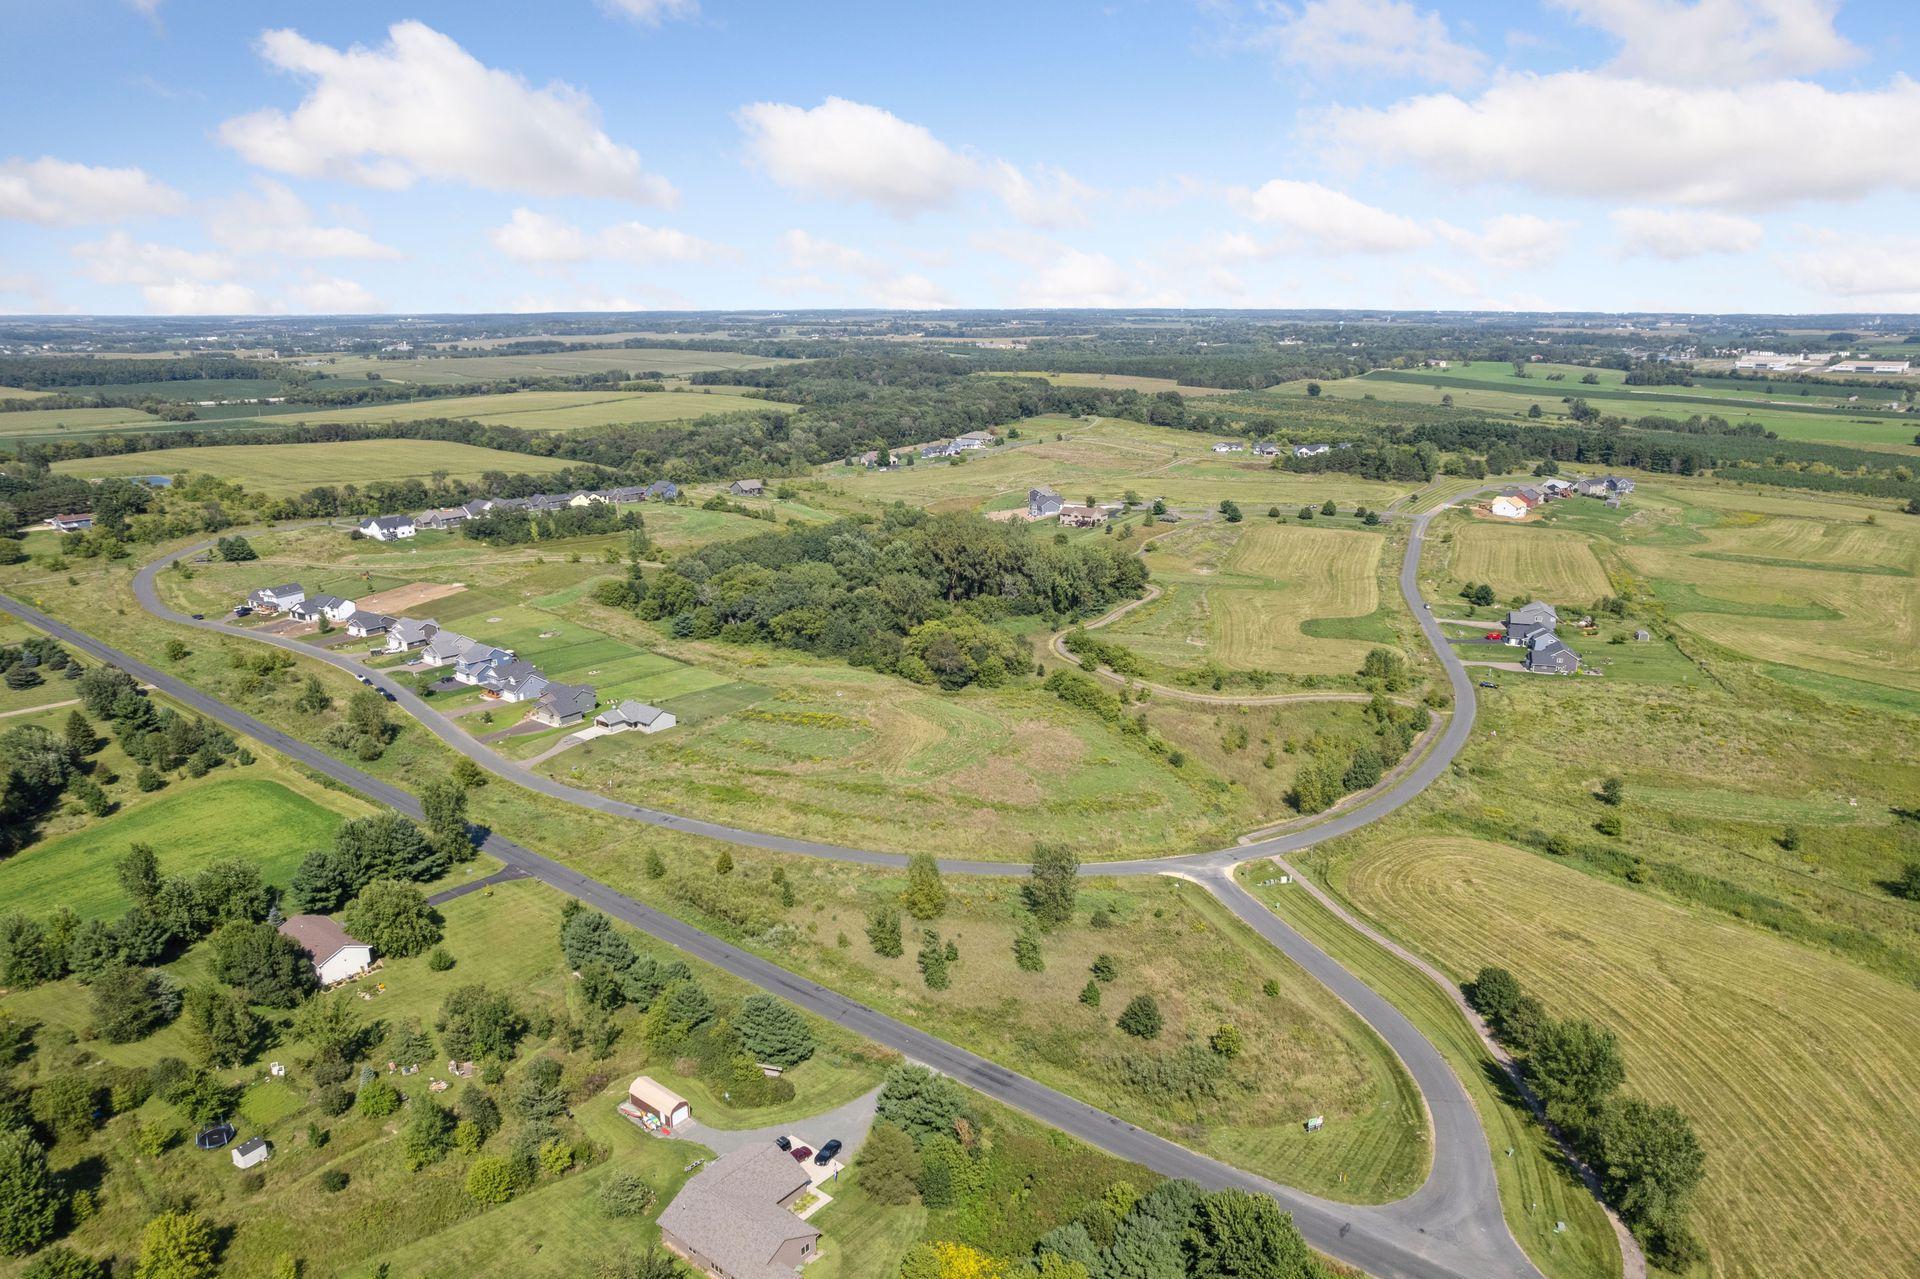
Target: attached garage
665, 1105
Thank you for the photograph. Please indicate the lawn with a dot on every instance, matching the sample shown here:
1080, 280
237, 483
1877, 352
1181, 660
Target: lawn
1796, 1067
280, 470
1240, 595
189, 825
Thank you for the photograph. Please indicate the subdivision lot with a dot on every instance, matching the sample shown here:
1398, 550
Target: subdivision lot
284, 469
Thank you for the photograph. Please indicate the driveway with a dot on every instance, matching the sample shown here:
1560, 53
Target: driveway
849, 1123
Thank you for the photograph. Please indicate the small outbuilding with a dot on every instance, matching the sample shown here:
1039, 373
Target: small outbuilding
652, 1098
254, 1150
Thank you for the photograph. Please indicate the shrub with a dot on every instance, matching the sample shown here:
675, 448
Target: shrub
439, 959
1141, 1017
378, 1099
490, 1180
627, 1194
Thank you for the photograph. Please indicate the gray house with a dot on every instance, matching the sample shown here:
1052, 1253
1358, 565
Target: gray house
1043, 503
1525, 622
563, 704
662, 491
748, 488
1548, 655
735, 1217
405, 633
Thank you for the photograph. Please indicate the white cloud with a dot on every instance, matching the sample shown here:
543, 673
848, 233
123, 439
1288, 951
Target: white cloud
275, 222
1718, 41
851, 150
1751, 146
1878, 273
199, 297
61, 193
592, 298
534, 237
1330, 221
1677, 234
120, 259
423, 107
651, 12
1078, 278
1516, 241
910, 292
1051, 197
807, 252
1375, 37
332, 295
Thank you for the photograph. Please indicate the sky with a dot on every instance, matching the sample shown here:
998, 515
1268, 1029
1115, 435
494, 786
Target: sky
200, 157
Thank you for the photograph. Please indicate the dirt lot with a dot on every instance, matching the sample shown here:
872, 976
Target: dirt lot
401, 598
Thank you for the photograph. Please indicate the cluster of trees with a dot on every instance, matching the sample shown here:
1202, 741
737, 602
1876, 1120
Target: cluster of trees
1333, 766
910, 593
1648, 1159
518, 528
679, 1018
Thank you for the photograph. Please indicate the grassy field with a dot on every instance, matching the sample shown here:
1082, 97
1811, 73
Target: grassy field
442, 371
1240, 594
1526, 560
1795, 1067
29, 423
280, 470
1118, 382
21, 393
545, 410
1103, 459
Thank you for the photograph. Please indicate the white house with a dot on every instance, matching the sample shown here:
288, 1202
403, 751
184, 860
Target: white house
388, 528
445, 648
335, 955
70, 523
1311, 450
1229, 446
405, 633
1510, 506
254, 1150
362, 625
635, 715
517, 680
972, 440
277, 599
331, 607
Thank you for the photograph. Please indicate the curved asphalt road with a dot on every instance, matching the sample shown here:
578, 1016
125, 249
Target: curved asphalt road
1451, 1228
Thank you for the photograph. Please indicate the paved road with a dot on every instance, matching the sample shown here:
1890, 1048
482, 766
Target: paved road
1451, 1228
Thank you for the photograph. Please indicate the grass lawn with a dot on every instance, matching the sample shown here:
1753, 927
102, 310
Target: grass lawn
864, 1239
284, 469
1795, 1066
190, 824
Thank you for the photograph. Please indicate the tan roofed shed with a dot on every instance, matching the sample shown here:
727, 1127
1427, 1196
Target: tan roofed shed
669, 1107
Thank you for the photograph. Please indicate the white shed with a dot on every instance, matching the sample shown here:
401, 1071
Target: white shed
254, 1150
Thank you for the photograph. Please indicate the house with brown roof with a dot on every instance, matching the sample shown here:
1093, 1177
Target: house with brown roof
735, 1220
335, 955
1074, 515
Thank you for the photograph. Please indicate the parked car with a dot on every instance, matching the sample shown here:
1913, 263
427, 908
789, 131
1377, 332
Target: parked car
1488, 684
199, 617
1495, 635
389, 696
784, 1142
242, 611
801, 1152
827, 1152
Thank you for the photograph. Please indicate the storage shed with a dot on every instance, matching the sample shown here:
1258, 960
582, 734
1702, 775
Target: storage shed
254, 1150
669, 1107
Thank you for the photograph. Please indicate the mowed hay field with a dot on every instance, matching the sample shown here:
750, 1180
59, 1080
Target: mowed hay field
542, 410
1798, 1069
32, 422
430, 371
1527, 559
285, 469
1103, 458
1119, 382
1240, 594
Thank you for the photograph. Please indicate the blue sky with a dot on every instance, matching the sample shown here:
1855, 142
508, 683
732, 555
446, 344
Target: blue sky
1711, 155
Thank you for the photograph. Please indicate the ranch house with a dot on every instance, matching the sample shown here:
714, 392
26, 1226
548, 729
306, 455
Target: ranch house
735, 1219
388, 528
405, 633
635, 717
335, 955
560, 705
748, 488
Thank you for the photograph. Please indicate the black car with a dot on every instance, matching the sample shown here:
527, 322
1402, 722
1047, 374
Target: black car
199, 617
827, 1152
785, 1143
1486, 684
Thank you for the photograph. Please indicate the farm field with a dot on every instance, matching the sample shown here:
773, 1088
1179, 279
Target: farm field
1103, 459
1240, 595
545, 410
1118, 382
442, 371
1527, 560
21, 393
279, 470
28, 423
1715, 1017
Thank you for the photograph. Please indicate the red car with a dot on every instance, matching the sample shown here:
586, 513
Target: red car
801, 1153
1495, 635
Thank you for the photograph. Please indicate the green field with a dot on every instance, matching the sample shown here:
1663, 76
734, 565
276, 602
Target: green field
1526, 560
189, 825
1119, 382
1796, 1067
544, 410
1240, 595
37, 422
280, 470
442, 371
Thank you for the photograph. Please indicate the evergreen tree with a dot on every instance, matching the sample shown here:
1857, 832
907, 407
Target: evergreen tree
1052, 884
80, 737
883, 933
887, 1168
29, 1204
774, 1031
1026, 950
1090, 993
933, 962
1141, 1018
177, 1245
139, 873
926, 895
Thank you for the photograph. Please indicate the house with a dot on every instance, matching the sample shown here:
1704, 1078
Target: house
1266, 448
972, 440
1311, 450
734, 1219
748, 488
1555, 487
442, 517
662, 491
388, 528
1229, 446
625, 493
1530, 495
1073, 515
1525, 622
939, 448
331, 607
562, 704
478, 507
1043, 503
361, 624
70, 523
404, 633
517, 680
472, 665
540, 503
276, 599
584, 498
635, 715
254, 1150
443, 648
1548, 655
1509, 506
667, 1107
335, 955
